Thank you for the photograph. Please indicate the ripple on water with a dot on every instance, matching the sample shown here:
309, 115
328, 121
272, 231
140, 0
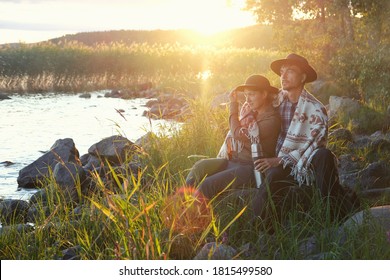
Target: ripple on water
32, 123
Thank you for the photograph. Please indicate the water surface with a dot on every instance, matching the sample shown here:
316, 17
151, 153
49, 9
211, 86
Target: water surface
30, 124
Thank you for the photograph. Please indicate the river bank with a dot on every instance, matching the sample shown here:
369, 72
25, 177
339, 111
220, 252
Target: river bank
31, 123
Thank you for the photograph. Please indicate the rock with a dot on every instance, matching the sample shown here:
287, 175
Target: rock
377, 149
146, 141
7, 163
92, 163
151, 103
377, 135
37, 213
308, 246
85, 95
214, 251
341, 134
68, 176
350, 163
375, 175
40, 198
381, 145
72, 253
345, 105
114, 94
32, 175
115, 149
360, 143
3, 96
378, 216
382, 193
20, 228
84, 159
13, 211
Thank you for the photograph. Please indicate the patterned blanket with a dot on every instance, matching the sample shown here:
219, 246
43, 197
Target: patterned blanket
249, 128
307, 132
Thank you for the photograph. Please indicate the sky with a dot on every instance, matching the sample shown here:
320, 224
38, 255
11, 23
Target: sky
32, 21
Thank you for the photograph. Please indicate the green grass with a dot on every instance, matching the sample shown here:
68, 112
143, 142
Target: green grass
123, 219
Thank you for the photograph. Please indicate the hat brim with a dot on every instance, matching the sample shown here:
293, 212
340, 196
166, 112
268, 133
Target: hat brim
311, 74
270, 89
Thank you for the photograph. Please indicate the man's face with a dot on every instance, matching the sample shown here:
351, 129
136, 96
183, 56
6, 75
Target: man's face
291, 77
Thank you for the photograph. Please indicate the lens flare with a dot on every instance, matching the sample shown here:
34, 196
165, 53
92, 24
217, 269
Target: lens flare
186, 211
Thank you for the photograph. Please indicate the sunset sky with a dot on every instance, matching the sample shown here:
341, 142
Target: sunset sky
37, 20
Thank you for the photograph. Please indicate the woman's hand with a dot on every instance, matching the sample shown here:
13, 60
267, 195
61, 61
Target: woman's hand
233, 96
264, 164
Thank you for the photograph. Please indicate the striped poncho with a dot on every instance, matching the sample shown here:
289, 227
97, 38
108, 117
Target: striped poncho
307, 132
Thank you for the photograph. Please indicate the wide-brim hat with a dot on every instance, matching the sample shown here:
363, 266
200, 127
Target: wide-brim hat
300, 61
257, 82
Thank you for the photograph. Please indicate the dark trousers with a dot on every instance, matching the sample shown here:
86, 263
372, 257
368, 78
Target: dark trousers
280, 185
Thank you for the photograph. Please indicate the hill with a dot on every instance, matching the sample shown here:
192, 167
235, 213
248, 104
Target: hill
247, 37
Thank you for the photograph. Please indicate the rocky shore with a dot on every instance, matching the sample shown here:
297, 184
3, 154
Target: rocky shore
74, 174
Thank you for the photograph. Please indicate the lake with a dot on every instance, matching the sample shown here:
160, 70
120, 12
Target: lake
31, 123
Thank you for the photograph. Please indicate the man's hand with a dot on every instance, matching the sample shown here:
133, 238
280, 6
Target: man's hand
264, 164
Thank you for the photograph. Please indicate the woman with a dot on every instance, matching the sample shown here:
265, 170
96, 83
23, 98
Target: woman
258, 122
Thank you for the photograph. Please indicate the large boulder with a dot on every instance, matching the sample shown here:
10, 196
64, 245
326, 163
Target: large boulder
116, 149
63, 150
13, 211
378, 216
68, 177
375, 175
346, 105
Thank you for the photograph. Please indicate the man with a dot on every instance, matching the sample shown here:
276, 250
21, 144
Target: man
302, 158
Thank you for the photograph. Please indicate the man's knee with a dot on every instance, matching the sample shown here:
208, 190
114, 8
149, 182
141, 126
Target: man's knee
323, 155
277, 174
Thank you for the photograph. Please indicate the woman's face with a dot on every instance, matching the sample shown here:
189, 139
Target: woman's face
255, 98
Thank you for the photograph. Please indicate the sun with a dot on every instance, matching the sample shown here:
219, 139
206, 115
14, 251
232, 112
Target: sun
209, 17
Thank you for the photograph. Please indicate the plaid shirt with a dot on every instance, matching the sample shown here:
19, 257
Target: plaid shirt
286, 111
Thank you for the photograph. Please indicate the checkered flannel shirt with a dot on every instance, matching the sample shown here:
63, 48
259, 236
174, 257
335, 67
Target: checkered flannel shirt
286, 111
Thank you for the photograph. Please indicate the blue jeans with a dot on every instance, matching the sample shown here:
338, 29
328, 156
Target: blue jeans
211, 176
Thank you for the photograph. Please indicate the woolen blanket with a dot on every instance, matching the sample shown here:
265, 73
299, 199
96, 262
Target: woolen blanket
307, 132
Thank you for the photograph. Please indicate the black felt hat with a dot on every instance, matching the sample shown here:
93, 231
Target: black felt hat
257, 82
300, 61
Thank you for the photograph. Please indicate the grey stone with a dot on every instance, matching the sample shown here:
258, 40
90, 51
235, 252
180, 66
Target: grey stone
341, 134
32, 175
37, 213
214, 251
68, 176
379, 216
3, 96
85, 95
345, 105
13, 211
40, 197
72, 253
20, 228
375, 175
115, 149
350, 163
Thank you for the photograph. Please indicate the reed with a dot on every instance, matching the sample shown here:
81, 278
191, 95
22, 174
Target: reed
125, 218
